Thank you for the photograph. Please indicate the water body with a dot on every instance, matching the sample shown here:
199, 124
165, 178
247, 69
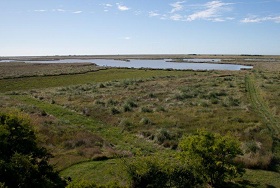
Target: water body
155, 64
6, 61
197, 60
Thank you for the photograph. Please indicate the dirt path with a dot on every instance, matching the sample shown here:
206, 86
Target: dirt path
260, 106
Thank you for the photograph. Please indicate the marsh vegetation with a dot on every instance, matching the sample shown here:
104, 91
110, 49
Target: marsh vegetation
93, 119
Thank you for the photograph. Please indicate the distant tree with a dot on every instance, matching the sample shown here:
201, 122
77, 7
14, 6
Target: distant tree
22, 162
213, 155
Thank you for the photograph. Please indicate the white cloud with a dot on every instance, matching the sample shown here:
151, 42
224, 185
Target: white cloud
153, 14
251, 20
218, 20
212, 11
177, 6
106, 6
122, 7
60, 10
40, 10
127, 38
77, 12
176, 17
254, 19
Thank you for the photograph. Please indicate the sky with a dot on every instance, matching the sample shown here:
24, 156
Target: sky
110, 27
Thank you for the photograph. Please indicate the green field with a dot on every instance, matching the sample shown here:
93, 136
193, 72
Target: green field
91, 119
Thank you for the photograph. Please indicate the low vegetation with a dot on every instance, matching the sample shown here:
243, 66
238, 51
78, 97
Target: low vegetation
92, 120
203, 158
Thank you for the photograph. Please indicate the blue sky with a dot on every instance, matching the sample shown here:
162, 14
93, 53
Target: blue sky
93, 27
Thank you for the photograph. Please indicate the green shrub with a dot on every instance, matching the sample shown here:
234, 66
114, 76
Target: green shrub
115, 111
112, 102
161, 109
146, 172
161, 171
125, 124
22, 162
146, 121
214, 155
152, 95
102, 85
127, 108
162, 135
146, 110
132, 104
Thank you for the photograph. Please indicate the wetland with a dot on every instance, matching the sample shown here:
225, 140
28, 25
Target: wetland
92, 117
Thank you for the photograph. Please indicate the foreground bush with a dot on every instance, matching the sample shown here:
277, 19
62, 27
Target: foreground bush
22, 162
205, 159
214, 155
159, 171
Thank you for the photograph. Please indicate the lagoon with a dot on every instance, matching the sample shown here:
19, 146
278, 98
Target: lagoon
191, 64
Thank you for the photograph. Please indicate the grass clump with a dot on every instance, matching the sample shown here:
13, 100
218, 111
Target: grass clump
127, 108
145, 121
115, 111
146, 109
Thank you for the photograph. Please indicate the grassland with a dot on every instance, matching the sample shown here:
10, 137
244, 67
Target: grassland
91, 118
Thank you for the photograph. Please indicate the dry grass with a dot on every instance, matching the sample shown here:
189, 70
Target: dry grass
19, 70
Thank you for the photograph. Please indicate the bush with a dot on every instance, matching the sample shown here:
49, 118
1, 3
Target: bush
146, 110
126, 125
127, 108
102, 85
22, 162
115, 111
214, 155
152, 95
162, 135
146, 172
112, 102
146, 121
132, 104
161, 171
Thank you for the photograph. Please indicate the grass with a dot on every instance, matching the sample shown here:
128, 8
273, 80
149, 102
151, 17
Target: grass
108, 171
89, 120
261, 107
114, 135
121, 106
20, 69
261, 178
40, 82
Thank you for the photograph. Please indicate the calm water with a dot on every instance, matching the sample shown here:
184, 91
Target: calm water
203, 60
155, 64
6, 61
